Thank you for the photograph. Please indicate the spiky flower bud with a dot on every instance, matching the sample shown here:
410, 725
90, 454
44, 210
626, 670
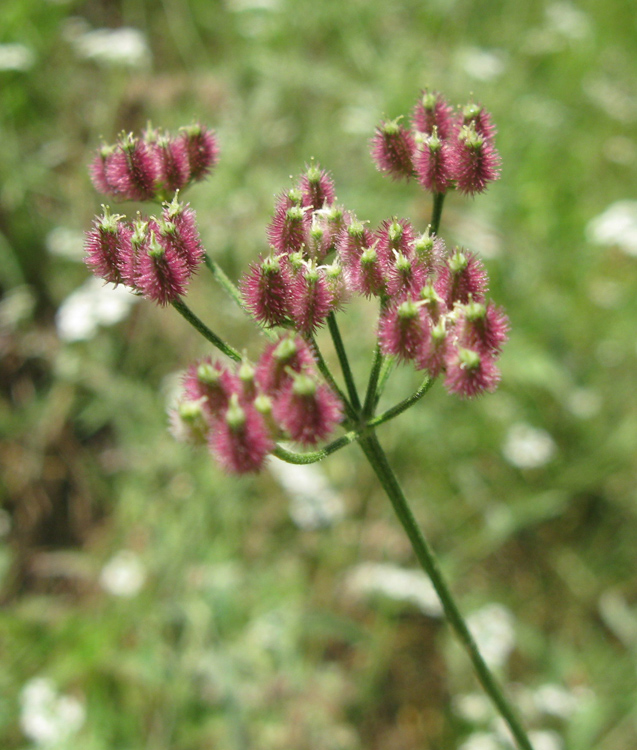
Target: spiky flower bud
310, 299
434, 351
470, 373
202, 150
290, 353
476, 161
241, 441
403, 330
180, 232
173, 164
131, 170
434, 163
266, 290
433, 112
482, 327
103, 246
286, 232
162, 274
317, 188
307, 411
212, 384
188, 423
462, 279
393, 149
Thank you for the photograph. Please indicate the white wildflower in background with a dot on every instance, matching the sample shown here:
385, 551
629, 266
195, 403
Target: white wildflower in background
482, 64
313, 502
123, 575
410, 586
66, 243
555, 700
473, 707
568, 21
124, 47
492, 628
546, 740
616, 226
16, 57
92, 305
47, 717
481, 741
528, 447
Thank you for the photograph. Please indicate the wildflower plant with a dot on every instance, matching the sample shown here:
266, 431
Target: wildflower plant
434, 312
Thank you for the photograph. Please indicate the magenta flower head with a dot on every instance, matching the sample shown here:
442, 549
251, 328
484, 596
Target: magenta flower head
179, 230
317, 188
470, 373
393, 149
403, 330
201, 148
368, 275
431, 113
286, 232
132, 170
484, 328
462, 279
476, 161
481, 119
103, 246
289, 354
240, 440
433, 354
188, 423
211, 384
434, 163
98, 171
162, 274
353, 240
307, 411
265, 288
406, 275
311, 300
394, 236
173, 162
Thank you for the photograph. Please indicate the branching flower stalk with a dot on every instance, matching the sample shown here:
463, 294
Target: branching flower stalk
433, 310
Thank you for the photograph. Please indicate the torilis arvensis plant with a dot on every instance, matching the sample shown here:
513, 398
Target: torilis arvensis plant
434, 312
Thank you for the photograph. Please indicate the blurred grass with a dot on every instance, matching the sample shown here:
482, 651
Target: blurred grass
241, 636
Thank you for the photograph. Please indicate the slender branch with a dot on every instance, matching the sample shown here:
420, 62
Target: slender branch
436, 214
342, 358
220, 275
370, 396
311, 458
385, 372
377, 458
403, 405
203, 329
352, 415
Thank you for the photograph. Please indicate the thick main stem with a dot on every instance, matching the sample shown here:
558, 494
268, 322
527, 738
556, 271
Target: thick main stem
378, 460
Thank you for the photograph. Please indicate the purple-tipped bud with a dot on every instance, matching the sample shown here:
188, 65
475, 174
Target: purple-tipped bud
394, 236
353, 240
179, 229
476, 161
481, 119
286, 232
434, 163
103, 246
173, 163
162, 274
317, 188
405, 276
307, 411
368, 276
484, 328
266, 291
132, 170
470, 373
433, 354
393, 150
202, 150
134, 246
403, 330
463, 278
432, 111
241, 440
212, 384
310, 299
290, 353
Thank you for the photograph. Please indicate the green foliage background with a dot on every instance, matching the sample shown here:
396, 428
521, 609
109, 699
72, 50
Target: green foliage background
242, 636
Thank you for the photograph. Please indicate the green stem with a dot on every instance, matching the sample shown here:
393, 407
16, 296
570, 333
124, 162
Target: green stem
220, 275
314, 456
403, 405
385, 372
342, 358
370, 396
203, 329
352, 415
436, 214
378, 460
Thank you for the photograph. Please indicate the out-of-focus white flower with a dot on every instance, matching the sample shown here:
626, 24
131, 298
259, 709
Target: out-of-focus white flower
568, 21
411, 586
492, 628
92, 305
528, 447
545, 740
617, 225
123, 47
555, 700
123, 575
481, 741
584, 402
313, 502
16, 57
473, 707
65, 243
48, 718
482, 64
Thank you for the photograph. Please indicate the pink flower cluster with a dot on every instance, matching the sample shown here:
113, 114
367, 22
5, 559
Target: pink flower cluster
155, 165
434, 310
443, 149
155, 256
241, 412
